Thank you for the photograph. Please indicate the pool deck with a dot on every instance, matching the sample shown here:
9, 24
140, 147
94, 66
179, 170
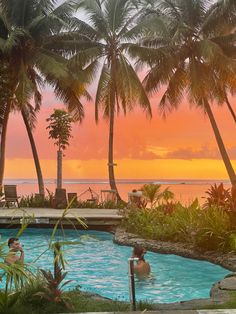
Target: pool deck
223, 311
95, 218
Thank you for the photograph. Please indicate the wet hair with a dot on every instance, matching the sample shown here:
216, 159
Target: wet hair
139, 252
11, 241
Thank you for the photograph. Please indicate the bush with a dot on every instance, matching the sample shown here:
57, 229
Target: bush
37, 200
204, 228
214, 230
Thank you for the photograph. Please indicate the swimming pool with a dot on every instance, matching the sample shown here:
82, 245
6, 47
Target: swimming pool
100, 266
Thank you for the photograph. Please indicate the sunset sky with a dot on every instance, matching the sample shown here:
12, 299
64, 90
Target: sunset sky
182, 146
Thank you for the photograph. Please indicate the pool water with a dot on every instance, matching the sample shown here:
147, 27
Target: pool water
100, 266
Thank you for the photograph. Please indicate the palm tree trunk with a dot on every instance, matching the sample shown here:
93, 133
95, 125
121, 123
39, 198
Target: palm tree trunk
3, 140
59, 169
221, 145
2, 113
111, 164
230, 107
34, 152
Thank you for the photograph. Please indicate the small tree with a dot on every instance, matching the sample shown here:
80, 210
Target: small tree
60, 131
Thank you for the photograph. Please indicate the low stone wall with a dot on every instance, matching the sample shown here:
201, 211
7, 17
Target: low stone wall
220, 291
227, 260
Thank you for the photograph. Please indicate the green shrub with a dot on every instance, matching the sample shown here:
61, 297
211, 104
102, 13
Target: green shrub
222, 198
205, 229
184, 222
214, 230
37, 200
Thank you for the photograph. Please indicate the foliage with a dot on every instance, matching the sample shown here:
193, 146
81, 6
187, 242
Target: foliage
224, 199
205, 229
107, 33
8, 302
153, 195
37, 200
29, 292
60, 128
53, 287
214, 230
217, 196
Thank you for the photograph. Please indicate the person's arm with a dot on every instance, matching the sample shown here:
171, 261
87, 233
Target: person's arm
22, 255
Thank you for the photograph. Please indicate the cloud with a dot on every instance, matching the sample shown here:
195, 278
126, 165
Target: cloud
204, 152
190, 153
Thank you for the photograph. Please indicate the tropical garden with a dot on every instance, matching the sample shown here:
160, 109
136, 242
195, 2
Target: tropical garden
187, 47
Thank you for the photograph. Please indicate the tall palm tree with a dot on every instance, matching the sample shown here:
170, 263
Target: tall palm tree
190, 55
35, 42
109, 29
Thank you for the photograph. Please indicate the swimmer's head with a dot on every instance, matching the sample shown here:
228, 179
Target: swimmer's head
139, 252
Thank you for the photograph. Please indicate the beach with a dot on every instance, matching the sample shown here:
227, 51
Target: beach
185, 190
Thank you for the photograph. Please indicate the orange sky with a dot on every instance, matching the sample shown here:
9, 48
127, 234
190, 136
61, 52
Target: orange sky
183, 146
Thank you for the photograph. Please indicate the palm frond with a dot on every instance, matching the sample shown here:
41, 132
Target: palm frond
103, 90
174, 93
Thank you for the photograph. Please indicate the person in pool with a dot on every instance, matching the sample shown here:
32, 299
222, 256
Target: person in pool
14, 247
142, 268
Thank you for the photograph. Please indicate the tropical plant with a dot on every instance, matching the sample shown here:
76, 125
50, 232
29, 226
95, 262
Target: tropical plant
8, 302
202, 229
52, 291
152, 193
53, 288
217, 196
109, 30
222, 198
188, 53
37, 201
214, 230
60, 130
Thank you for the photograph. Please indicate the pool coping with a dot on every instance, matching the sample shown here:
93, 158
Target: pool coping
95, 218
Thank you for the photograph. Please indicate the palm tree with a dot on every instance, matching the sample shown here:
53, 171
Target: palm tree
110, 28
35, 43
189, 55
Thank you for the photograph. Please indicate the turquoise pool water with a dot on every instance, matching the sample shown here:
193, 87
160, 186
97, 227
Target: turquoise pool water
100, 266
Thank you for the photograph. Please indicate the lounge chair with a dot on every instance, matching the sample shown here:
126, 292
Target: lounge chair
93, 198
109, 195
10, 196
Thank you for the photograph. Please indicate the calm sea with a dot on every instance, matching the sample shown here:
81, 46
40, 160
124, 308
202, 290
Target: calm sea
185, 190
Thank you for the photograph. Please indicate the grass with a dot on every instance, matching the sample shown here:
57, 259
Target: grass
81, 303
231, 304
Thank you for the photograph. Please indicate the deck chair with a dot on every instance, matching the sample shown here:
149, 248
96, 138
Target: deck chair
108, 195
10, 196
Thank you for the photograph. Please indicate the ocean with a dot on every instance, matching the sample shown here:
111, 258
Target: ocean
185, 190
